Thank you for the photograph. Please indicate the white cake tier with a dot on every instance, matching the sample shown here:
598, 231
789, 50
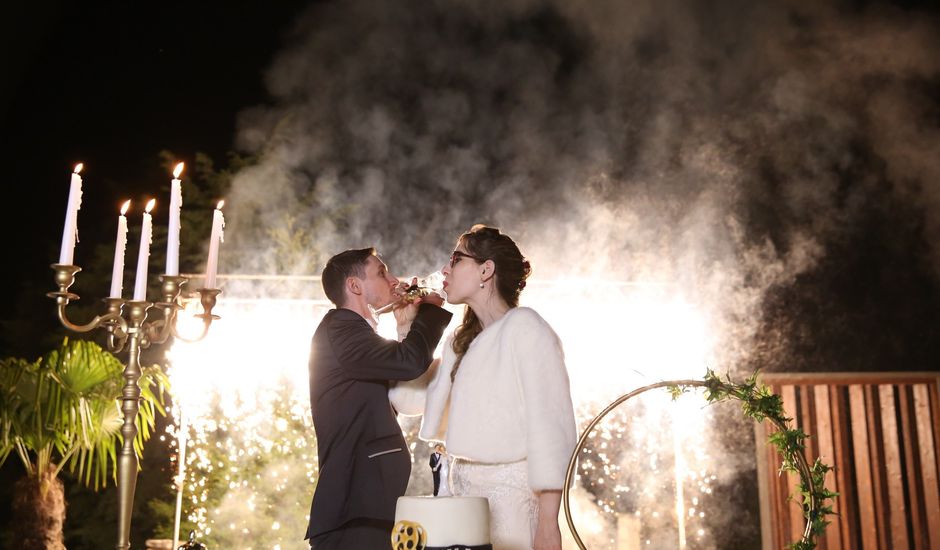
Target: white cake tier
448, 521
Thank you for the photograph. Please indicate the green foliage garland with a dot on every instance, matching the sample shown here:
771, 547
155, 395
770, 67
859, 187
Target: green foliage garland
760, 403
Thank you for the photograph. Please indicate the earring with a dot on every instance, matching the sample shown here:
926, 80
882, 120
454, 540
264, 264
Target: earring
481, 284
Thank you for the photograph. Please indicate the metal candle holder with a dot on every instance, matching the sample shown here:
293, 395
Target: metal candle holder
127, 327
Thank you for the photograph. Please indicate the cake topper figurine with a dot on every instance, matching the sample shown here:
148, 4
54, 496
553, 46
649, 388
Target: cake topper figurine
438, 462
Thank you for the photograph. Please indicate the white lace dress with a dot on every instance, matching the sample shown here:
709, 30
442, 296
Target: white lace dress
513, 506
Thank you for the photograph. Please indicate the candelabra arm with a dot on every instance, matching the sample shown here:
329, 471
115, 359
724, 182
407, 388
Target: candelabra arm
188, 340
64, 278
98, 321
208, 297
159, 331
116, 342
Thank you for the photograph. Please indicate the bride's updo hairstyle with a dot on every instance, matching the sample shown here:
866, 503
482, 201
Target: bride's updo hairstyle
511, 272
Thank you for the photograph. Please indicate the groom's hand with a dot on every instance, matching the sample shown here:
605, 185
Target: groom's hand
406, 312
433, 298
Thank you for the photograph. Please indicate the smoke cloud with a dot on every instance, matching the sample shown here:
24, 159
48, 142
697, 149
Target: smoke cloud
721, 149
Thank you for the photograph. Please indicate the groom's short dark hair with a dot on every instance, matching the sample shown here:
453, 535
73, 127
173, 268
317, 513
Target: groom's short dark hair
351, 263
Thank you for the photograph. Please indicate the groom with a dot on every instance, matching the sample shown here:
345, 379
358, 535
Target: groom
364, 463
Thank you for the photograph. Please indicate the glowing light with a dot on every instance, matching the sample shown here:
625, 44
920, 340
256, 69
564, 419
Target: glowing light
78, 168
125, 207
150, 205
248, 379
178, 170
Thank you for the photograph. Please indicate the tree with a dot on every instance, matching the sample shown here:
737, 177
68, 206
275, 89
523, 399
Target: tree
62, 410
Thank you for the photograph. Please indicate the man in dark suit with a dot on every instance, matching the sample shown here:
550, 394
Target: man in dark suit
364, 462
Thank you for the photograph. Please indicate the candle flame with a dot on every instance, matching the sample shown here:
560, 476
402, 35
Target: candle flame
124, 208
178, 170
78, 168
150, 205
220, 205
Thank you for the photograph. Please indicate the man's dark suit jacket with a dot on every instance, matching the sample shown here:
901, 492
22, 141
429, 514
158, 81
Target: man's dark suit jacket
364, 462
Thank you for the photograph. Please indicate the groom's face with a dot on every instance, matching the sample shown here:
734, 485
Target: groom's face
378, 284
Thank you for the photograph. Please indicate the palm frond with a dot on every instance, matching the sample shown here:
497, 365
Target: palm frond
64, 407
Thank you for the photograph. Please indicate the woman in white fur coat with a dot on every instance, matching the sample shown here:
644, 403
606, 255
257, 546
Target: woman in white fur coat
500, 399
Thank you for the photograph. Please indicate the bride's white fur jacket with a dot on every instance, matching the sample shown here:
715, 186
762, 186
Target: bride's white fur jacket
509, 401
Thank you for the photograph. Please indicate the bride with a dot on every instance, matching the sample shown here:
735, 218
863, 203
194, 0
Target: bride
500, 398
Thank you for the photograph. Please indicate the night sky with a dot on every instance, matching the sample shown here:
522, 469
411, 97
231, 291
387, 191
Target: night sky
111, 84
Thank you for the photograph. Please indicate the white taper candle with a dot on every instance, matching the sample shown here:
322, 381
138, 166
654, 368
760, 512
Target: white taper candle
217, 236
143, 256
70, 231
173, 228
120, 246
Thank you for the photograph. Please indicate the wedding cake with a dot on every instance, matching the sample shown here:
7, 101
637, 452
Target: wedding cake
439, 523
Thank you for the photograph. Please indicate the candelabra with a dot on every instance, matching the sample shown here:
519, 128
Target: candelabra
127, 328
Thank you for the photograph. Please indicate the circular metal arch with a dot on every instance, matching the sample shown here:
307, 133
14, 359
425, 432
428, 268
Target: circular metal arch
569, 476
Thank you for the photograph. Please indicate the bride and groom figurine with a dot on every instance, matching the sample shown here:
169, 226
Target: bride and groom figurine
498, 398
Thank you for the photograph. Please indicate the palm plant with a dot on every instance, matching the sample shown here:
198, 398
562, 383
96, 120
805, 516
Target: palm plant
62, 410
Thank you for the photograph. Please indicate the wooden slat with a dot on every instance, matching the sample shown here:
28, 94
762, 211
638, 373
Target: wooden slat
912, 467
808, 425
876, 455
823, 431
776, 481
863, 477
933, 391
846, 503
765, 497
773, 485
783, 490
795, 511
897, 509
926, 439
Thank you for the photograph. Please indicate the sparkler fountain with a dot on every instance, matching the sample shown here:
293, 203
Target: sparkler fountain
230, 498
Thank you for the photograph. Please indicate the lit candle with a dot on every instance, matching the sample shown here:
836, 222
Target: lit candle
70, 232
120, 245
212, 266
173, 231
143, 257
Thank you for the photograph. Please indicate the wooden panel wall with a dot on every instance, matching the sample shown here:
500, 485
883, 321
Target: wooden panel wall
881, 432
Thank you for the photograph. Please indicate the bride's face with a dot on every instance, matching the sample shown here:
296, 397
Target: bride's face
462, 275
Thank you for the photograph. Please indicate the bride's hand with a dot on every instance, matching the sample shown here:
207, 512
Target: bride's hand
547, 536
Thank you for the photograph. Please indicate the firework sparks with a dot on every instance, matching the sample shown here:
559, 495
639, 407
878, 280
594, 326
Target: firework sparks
251, 465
